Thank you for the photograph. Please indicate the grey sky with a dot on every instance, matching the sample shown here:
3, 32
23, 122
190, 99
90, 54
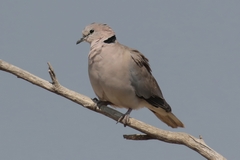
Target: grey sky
194, 52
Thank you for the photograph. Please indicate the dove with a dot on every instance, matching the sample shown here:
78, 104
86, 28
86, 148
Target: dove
121, 76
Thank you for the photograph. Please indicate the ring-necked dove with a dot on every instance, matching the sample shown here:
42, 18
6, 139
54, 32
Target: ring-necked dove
121, 76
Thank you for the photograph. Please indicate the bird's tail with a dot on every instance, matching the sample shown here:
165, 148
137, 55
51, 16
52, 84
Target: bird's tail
169, 118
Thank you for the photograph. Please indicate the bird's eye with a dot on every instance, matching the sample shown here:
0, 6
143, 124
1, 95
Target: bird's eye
91, 31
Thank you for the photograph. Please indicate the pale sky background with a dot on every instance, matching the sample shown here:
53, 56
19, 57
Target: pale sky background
194, 52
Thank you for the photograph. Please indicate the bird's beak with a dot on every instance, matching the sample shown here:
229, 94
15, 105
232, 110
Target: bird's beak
80, 40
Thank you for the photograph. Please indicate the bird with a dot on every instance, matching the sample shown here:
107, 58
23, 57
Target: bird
121, 76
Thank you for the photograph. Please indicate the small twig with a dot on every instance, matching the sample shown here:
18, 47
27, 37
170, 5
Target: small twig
52, 75
201, 139
138, 137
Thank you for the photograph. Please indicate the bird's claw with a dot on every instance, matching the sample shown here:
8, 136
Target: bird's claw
95, 100
101, 103
124, 119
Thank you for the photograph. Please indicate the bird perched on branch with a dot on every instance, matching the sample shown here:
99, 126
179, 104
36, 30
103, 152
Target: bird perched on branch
121, 76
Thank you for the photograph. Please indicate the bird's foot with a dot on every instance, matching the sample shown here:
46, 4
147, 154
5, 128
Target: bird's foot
125, 118
101, 103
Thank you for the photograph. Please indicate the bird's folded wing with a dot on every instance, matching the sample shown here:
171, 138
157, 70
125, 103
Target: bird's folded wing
144, 83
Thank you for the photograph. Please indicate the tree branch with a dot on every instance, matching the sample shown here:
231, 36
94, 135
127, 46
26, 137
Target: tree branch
138, 137
151, 132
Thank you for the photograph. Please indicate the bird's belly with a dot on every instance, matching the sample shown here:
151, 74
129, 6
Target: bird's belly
111, 84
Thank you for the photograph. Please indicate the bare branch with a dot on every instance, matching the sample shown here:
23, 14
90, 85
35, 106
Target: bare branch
138, 137
52, 75
151, 132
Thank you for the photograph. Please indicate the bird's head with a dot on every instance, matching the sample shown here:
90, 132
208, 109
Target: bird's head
96, 32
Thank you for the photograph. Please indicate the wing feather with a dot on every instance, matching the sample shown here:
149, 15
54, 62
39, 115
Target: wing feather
144, 83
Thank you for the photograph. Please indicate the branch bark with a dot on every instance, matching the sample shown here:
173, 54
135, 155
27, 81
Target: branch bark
196, 144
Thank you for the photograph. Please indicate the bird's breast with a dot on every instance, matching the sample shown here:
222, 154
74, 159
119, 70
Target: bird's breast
109, 76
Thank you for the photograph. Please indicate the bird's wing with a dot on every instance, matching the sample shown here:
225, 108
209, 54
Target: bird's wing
144, 83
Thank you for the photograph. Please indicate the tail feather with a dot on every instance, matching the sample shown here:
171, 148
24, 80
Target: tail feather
167, 117
170, 119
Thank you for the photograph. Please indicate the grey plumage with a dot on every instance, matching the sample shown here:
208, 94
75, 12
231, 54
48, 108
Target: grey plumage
122, 75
